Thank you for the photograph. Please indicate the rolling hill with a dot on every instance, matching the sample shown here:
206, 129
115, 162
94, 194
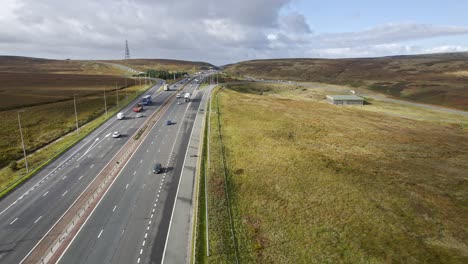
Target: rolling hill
433, 79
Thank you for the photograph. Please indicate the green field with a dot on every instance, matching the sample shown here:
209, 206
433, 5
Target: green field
311, 182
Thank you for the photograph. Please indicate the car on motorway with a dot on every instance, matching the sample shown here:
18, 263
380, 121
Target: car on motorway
139, 115
157, 168
178, 95
179, 102
168, 122
115, 134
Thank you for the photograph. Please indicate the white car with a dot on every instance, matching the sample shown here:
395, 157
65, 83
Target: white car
116, 134
139, 115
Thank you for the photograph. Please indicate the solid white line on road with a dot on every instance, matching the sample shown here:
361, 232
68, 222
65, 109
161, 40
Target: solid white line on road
98, 236
64, 193
126, 186
45, 193
92, 165
13, 221
115, 206
37, 220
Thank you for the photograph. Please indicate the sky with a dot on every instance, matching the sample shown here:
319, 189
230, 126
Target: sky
228, 31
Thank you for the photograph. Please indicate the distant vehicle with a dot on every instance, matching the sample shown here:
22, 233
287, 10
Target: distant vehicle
116, 134
179, 102
120, 116
147, 100
178, 95
168, 122
139, 115
166, 87
157, 168
187, 97
138, 108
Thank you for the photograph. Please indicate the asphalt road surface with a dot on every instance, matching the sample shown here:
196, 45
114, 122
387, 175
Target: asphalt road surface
30, 211
130, 224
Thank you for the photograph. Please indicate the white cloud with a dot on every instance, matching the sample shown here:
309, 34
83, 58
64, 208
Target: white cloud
217, 31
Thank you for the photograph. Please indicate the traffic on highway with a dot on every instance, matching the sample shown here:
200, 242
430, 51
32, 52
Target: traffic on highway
29, 213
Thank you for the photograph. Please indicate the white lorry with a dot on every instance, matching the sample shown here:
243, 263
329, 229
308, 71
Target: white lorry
120, 116
187, 97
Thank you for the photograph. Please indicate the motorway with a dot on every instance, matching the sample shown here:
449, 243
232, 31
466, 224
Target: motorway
31, 210
130, 224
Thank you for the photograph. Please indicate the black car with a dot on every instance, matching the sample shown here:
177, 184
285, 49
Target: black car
157, 168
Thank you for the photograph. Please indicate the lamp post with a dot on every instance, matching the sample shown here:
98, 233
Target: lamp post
76, 116
22, 143
105, 102
117, 95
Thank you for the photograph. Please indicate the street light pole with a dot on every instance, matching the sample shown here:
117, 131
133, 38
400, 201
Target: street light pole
105, 102
22, 143
76, 116
117, 96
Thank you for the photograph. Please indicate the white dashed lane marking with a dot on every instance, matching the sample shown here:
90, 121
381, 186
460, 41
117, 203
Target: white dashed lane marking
37, 220
100, 233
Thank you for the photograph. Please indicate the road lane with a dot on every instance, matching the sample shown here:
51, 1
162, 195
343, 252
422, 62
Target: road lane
132, 216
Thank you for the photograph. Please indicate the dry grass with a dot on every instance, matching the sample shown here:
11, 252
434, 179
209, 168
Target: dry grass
28, 89
315, 183
40, 135
421, 78
42, 124
37, 65
162, 64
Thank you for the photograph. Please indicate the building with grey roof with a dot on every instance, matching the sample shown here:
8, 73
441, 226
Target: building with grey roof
345, 100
